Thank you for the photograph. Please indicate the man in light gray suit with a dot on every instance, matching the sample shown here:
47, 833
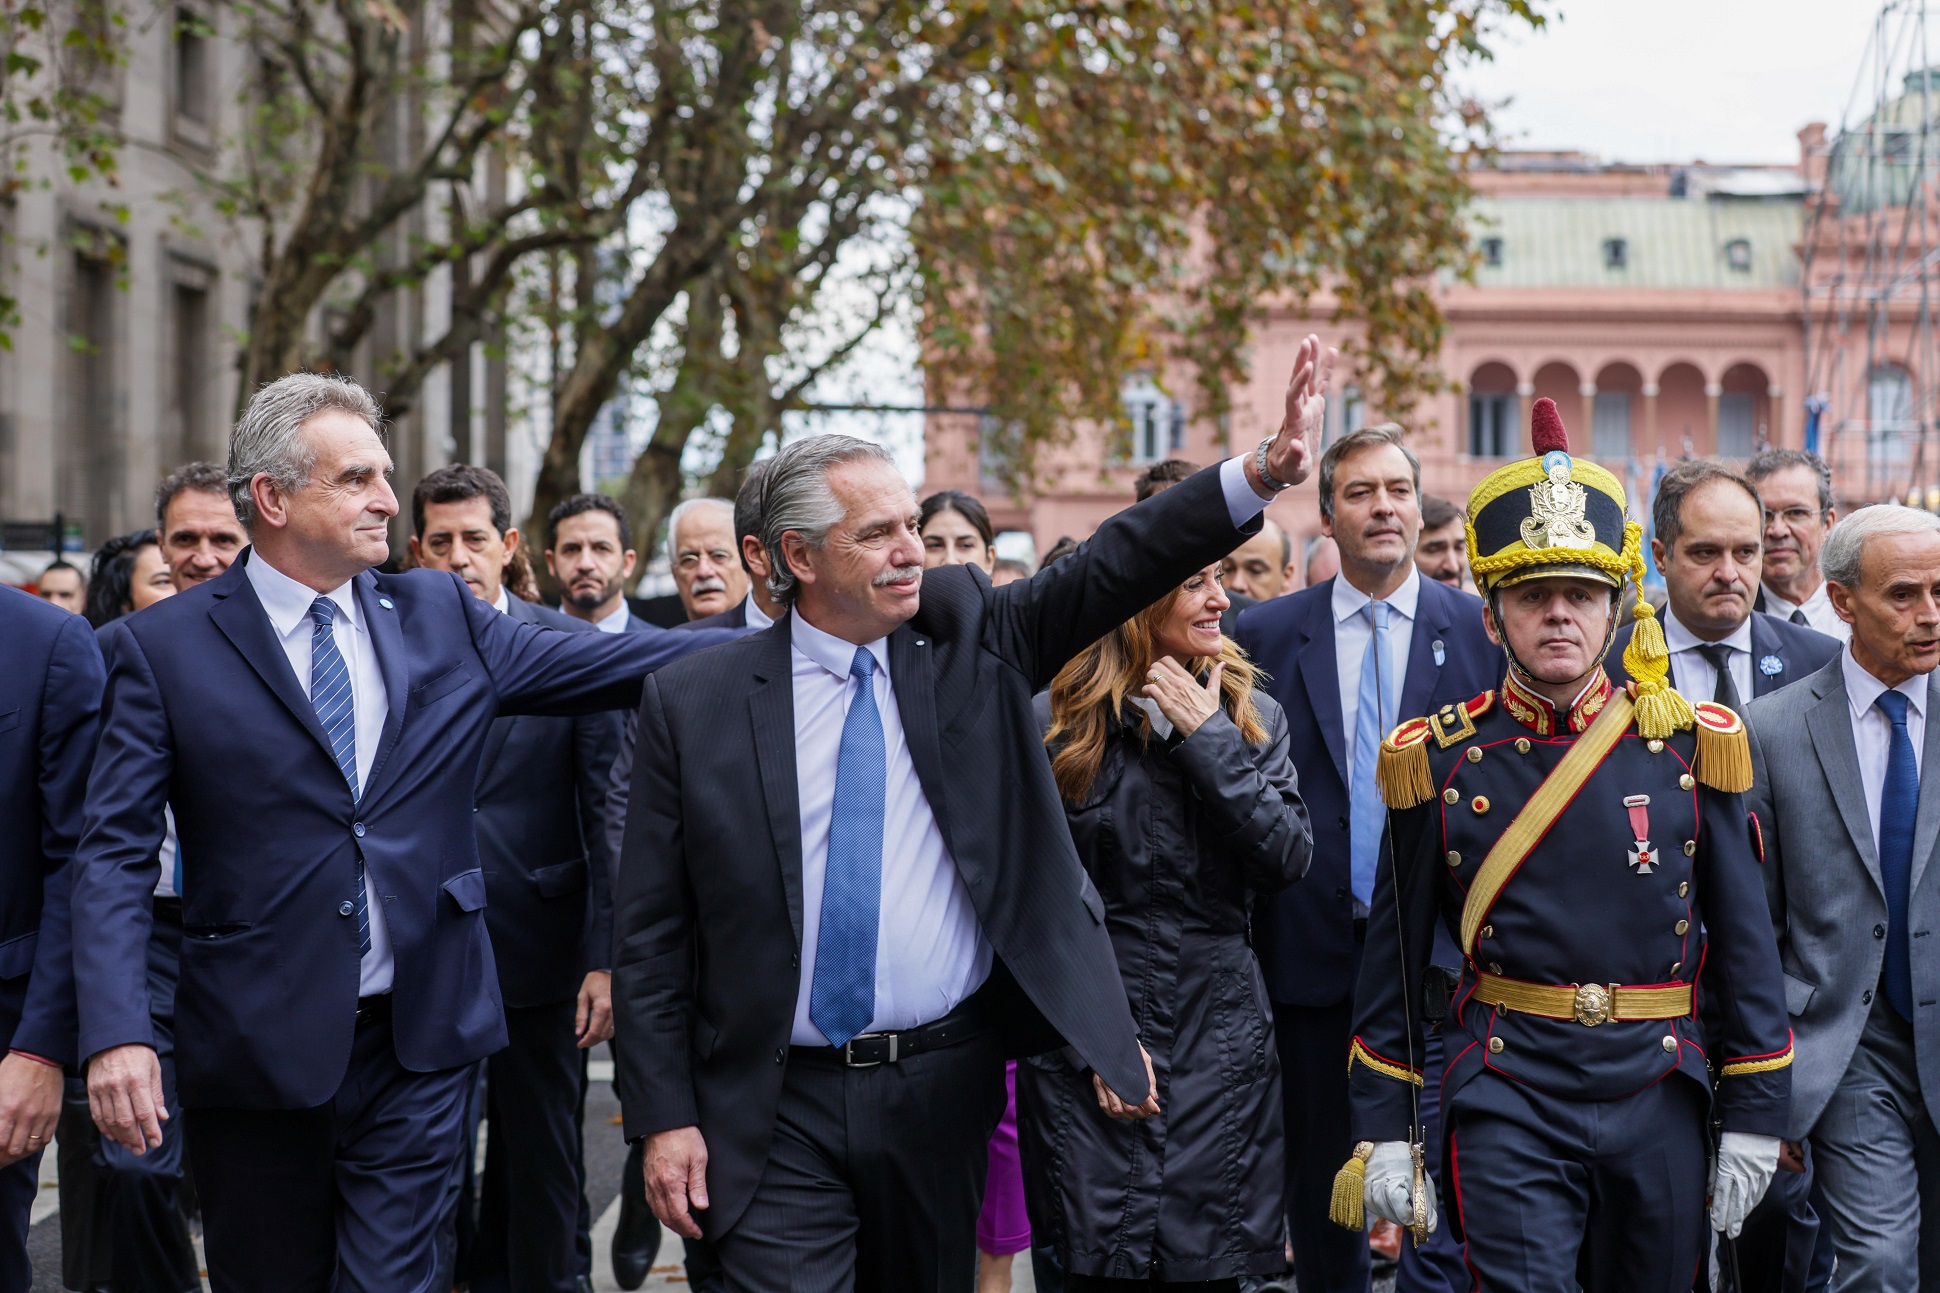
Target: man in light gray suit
1850, 826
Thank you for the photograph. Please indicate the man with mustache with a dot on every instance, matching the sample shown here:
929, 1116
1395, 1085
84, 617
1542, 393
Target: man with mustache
706, 560
1589, 850
827, 943
1796, 487
1342, 674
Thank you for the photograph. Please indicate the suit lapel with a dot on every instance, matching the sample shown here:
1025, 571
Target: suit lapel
242, 619
1926, 822
1424, 669
388, 638
1766, 642
771, 711
912, 673
1830, 724
1319, 668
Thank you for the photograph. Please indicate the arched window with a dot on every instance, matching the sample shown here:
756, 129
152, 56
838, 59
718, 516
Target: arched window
1158, 421
1889, 398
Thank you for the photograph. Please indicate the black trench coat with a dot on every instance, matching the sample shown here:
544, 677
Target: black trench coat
1176, 837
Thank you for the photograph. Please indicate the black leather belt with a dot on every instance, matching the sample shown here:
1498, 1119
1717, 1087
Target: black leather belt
373, 1010
871, 1049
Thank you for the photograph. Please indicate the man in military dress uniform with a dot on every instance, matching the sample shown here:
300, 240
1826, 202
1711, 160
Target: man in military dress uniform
1589, 849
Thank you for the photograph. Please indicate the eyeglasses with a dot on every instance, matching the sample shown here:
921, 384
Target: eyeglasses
1793, 517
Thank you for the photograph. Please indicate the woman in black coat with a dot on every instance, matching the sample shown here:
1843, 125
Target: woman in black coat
1183, 805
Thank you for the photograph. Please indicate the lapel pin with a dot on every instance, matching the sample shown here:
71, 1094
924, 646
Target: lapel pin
385, 602
1441, 653
1771, 666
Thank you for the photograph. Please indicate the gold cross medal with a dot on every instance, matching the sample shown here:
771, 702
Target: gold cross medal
1641, 855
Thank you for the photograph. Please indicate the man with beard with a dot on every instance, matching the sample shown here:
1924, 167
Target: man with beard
1589, 848
590, 552
1442, 550
705, 558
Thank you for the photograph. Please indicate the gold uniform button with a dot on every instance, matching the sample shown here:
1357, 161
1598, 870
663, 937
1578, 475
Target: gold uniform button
1676, 966
1685, 783
1690, 848
1488, 931
1655, 746
1451, 796
1680, 926
1670, 1044
1683, 888
1522, 745
1495, 1046
1454, 858
1480, 804
1474, 754
1495, 967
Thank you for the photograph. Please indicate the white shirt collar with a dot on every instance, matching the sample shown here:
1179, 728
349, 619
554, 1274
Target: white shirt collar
1348, 600
833, 653
1779, 605
287, 602
503, 602
1678, 638
615, 622
757, 618
1863, 690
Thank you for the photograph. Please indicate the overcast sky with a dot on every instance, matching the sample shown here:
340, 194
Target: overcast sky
1681, 80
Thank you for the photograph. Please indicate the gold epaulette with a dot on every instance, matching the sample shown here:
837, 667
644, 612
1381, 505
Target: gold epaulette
1402, 770
1723, 759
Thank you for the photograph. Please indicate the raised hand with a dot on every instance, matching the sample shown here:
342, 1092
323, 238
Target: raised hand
1290, 458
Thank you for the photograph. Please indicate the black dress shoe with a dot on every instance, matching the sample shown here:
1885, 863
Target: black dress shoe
636, 1240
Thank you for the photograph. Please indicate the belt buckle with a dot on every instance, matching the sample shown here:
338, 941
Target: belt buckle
848, 1051
1592, 1004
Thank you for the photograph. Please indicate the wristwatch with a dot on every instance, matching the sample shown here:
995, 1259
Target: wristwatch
1259, 465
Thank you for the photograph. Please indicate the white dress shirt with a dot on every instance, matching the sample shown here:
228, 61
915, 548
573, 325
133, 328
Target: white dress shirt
288, 604
1353, 632
930, 949
1872, 731
616, 622
1693, 675
1818, 611
757, 618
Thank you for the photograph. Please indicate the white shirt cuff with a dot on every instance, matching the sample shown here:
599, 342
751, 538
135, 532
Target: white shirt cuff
1243, 502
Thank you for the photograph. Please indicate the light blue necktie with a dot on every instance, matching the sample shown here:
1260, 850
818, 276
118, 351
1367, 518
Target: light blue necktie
337, 711
1372, 721
842, 1000
1899, 801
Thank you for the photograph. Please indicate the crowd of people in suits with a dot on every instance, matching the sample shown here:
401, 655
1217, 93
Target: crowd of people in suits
938, 909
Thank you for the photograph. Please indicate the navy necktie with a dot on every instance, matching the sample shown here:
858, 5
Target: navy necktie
842, 999
336, 705
1373, 718
1899, 802
1725, 690
1798, 616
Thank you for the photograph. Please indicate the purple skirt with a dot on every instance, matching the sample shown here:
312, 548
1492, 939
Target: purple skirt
1002, 1226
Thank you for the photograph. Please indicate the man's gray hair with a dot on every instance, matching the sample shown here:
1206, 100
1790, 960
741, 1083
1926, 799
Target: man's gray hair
796, 496
1839, 558
269, 438
673, 518
1773, 461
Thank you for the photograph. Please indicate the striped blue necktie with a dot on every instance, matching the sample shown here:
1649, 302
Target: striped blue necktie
842, 998
336, 706
1373, 719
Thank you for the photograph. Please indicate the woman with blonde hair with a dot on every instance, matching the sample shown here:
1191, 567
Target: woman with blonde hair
1183, 804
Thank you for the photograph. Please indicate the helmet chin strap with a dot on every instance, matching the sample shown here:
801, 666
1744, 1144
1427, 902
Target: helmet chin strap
1609, 637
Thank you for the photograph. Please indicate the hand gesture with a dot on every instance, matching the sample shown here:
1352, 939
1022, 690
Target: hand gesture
125, 1096
1123, 1110
676, 1168
1179, 696
1290, 457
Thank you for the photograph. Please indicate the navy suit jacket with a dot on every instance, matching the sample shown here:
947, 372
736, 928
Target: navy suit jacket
540, 809
50, 706
1305, 934
204, 714
1799, 652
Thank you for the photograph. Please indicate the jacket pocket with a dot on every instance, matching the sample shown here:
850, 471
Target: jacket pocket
438, 688
9, 719
705, 1035
17, 954
1093, 903
1798, 995
210, 932
467, 889
561, 878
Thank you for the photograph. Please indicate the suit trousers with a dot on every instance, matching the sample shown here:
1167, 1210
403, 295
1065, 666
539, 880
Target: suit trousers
19, 1184
529, 1198
1556, 1195
1877, 1156
875, 1176
353, 1196
1313, 1042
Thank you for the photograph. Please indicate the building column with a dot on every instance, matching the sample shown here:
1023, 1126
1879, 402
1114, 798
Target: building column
1650, 418
1775, 411
1588, 391
1525, 399
1711, 392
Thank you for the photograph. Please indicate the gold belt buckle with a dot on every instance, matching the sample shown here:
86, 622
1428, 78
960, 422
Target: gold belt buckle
1592, 1004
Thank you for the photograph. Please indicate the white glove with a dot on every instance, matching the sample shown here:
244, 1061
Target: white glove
1743, 1170
1391, 1185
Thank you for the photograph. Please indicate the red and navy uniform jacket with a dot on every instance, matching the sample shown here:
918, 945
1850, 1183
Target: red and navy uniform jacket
1577, 911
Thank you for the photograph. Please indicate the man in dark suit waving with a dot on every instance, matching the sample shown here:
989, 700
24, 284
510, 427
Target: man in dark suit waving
316, 728
1317, 647
813, 998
